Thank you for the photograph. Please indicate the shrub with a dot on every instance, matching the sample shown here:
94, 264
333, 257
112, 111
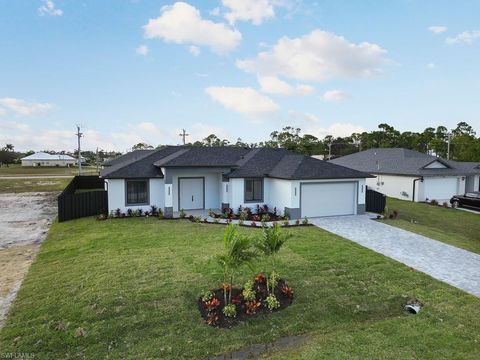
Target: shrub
265, 218
248, 292
212, 213
434, 202
243, 216
445, 205
197, 219
286, 222
118, 213
139, 212
305, 221
212, 319
212, 304
129, 212
272, 302
183, 214
297, 222
153, 210
160, 214
230, 310
287, 291
206, 295
252, 307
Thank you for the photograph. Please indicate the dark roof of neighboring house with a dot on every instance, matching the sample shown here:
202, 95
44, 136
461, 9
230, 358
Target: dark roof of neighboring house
398, 161
242, 162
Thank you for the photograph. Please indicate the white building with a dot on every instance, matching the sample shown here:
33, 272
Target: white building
189, 178
45, 159
412, 175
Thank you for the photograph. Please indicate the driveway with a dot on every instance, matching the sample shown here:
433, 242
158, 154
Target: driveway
457, 267
24, 222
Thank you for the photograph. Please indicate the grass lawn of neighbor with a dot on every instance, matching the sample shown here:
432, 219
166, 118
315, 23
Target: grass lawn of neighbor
18, 170
127, 288
451, 226
33, 185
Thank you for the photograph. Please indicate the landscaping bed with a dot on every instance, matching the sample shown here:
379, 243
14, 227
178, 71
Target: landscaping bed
211, 303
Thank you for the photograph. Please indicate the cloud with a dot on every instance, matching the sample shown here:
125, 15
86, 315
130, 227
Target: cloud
255, 11
194, 50
431, 66
182, 23
466, 37
244, 100
48, 8
2, 111
317, 56
142, 50
334, 95
298, 115
437, 29
22, 107
273, 85
335, 130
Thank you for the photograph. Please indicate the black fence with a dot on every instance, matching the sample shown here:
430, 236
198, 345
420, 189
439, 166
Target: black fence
84, 196
375, 201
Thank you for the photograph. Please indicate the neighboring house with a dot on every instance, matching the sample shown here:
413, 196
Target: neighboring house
45, 159
176, 177
407, 174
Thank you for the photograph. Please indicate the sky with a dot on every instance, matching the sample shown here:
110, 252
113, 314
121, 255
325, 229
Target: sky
132, 71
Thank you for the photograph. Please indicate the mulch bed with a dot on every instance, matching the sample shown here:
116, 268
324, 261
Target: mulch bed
222, 321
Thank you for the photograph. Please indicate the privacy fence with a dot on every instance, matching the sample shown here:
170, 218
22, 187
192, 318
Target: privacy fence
375, 201
83, 196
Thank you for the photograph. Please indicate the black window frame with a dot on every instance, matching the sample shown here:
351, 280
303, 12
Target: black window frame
126, 192
253, 191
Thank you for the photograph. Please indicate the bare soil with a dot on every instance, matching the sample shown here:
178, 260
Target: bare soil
24, 222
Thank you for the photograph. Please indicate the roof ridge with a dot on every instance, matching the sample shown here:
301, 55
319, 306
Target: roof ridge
172, 156
245, 158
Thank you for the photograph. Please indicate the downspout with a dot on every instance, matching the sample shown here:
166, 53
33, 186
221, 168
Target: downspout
414, 182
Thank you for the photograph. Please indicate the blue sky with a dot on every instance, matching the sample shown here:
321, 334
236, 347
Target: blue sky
141, 70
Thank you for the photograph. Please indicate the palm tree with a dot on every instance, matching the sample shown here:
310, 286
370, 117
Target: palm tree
269, 244
237, 252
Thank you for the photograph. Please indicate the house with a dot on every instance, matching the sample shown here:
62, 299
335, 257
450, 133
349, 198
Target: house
407, 174
46, 159
189, 178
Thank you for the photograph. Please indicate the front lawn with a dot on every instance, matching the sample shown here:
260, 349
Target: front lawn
127, 288
451, 226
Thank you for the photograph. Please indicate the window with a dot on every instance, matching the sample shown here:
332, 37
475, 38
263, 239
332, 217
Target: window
253, 190
137, 192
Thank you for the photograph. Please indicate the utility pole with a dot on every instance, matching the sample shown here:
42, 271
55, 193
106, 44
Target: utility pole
329, 151
79, 135
449, 136
183, 135
97, 160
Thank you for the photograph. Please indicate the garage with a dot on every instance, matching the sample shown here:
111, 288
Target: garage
328, 199
440, 188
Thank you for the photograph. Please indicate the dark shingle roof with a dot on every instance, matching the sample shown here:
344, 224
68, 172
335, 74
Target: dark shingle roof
259, 162
398, 161
133, 155
205, 157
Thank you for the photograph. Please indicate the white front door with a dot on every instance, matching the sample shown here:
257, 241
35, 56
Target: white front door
191, 195
328, 199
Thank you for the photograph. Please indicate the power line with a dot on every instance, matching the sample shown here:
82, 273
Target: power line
183, 135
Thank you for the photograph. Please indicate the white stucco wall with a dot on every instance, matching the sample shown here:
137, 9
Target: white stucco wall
399, 187
62, 163
440, 188
116, 195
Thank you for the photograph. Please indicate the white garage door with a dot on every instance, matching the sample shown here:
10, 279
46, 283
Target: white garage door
440, 188
328, 199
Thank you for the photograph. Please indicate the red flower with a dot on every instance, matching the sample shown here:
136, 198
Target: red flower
212, 304
252, 307
287, 291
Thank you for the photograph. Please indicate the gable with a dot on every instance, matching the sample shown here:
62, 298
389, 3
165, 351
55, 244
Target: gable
435, 165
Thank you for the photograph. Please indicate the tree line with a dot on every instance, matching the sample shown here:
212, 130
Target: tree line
460, 143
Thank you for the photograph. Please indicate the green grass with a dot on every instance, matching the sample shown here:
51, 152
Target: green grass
132, 285
33, 185
18, 170
454, 227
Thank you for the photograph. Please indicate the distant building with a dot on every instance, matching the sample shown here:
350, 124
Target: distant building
45, 159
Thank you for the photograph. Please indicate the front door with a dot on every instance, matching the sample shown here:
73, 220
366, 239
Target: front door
191, 193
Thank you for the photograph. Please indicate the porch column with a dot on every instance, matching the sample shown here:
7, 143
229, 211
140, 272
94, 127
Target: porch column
168, 209
225, 192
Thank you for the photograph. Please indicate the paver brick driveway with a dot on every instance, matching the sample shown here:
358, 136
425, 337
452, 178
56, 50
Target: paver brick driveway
457, 267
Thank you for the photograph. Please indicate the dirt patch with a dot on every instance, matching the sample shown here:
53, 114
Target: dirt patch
24, 219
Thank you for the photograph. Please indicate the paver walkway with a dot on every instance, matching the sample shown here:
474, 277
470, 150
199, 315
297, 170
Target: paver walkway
457, 267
